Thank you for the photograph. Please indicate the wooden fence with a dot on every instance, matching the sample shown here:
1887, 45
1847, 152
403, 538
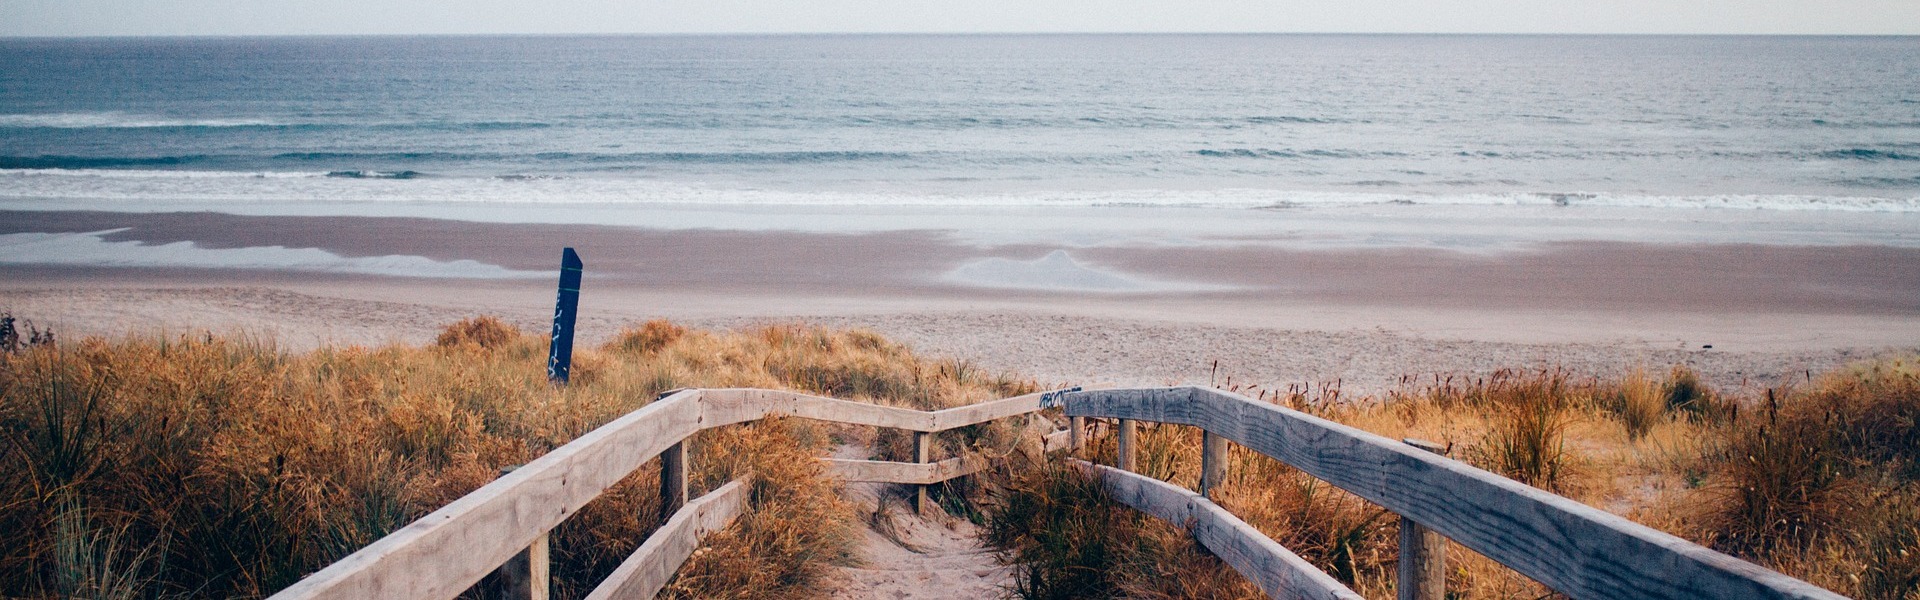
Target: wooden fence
1575, 549
1572, 548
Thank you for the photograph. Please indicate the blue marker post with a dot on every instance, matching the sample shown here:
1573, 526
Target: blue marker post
560, 353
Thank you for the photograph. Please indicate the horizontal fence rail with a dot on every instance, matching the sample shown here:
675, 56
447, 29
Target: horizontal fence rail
1573, 548
1278, 571
926, 473
905, 472
737, 405
645, 572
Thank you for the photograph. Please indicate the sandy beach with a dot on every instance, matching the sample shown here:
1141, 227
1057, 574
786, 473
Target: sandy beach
1363, 320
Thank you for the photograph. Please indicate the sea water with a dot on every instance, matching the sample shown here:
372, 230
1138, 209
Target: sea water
317, 125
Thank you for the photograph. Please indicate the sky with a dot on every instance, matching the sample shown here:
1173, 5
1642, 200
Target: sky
308, 17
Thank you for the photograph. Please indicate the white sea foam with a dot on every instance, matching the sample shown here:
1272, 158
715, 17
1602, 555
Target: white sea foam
110, 186
92, 249
118, 120
162, 174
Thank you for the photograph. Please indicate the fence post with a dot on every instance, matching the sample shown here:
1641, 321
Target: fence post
1125, 460
560, 349
525, 576
1423, 553
1213, 462
921, 452
1077, 432
673, 480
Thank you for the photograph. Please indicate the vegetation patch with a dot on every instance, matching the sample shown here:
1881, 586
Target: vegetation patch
1814, 479
218, 467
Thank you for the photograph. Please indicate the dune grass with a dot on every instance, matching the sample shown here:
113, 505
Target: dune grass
1814, 479
206, 466
221, 467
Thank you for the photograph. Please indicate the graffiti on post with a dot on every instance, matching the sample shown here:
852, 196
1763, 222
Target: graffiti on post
560, 352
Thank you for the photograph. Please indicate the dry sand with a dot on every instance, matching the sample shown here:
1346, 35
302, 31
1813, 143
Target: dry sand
906, 556
946, 560
1363, 318
1066, 344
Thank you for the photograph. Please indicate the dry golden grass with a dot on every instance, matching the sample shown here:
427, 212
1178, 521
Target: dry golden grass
221, 467
1815, 480
203, 466
1069, 540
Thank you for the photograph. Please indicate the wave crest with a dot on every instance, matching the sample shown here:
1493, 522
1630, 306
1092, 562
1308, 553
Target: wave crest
115, 120
1869, 154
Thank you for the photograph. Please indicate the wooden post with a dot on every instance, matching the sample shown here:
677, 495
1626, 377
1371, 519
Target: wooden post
1213, 462
1423, 553
673, 480
1077, 432
565, 308
1125, 460
921, 453
525, 576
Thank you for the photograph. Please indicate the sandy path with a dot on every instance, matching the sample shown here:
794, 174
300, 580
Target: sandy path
950, 564
940, 558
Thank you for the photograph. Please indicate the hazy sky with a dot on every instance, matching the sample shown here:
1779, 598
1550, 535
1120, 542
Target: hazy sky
255, 17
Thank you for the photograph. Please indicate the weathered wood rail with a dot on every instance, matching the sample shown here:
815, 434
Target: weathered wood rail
1575, 549
504, 524
651, 566
1278, 571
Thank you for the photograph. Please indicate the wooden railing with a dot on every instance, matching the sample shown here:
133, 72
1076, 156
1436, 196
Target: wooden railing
1570, 547
1575, 549
1278, 571
503, 525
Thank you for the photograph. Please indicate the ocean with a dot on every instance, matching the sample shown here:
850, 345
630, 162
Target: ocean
456, 124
